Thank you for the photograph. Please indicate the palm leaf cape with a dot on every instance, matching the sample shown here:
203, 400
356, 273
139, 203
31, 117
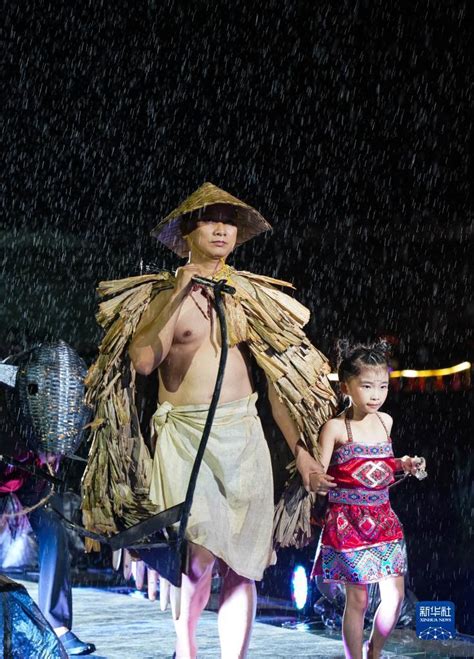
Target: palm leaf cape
116, 482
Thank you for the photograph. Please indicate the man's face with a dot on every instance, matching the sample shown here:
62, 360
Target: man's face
212, 238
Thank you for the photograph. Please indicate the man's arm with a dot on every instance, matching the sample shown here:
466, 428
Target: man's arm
312, 473
153, 337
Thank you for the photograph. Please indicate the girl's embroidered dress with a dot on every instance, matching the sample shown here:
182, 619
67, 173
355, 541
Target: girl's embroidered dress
362, 539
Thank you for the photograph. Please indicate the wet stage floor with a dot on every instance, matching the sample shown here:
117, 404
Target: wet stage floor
125, 627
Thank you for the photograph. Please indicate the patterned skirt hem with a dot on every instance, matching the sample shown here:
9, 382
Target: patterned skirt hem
366, 565
369, 581
362, 547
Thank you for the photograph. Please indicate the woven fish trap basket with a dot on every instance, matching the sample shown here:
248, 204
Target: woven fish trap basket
50, 389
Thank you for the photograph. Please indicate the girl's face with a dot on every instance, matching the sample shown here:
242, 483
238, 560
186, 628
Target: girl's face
368, 390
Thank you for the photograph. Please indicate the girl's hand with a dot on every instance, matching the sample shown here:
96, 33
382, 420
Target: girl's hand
321, 483
312, 474
415, 466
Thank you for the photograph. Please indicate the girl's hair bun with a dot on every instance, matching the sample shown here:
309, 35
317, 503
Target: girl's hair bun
343, 349
352, 358
382, 346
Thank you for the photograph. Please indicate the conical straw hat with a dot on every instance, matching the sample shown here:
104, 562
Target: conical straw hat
249, 221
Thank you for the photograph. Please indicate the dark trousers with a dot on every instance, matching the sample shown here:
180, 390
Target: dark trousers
55, 597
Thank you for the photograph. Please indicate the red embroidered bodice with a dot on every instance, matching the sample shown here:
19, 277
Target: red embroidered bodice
359, 512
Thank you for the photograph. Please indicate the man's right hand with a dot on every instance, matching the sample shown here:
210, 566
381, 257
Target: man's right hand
184, 276
153, 337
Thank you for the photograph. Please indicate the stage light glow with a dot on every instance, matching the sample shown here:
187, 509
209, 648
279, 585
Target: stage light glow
429, 373
426, 373
406, 373
299, 587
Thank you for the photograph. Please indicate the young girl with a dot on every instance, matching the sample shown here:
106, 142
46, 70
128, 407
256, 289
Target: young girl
362, 540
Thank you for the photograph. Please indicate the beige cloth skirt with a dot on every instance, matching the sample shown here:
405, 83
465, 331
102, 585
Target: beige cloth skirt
232, 510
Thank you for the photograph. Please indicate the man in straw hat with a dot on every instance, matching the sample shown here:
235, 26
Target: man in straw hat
168, 322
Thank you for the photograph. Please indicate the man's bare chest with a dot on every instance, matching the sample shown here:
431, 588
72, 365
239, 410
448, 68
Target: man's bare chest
197, 321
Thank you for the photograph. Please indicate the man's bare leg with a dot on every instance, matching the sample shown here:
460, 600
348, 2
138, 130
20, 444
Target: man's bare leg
237, 607
195, 590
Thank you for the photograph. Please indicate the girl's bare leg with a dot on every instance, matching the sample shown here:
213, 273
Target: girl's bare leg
353, 620
392, 592
237, 607
195, 591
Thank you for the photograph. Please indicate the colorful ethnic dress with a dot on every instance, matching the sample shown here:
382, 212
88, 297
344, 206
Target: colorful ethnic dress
362, 538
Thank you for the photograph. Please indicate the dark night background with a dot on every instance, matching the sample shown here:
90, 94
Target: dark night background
349, 125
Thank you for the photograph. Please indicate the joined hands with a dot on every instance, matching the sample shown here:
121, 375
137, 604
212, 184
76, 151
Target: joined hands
312, 474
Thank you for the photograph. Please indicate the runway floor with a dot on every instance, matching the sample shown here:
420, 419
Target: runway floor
125, 627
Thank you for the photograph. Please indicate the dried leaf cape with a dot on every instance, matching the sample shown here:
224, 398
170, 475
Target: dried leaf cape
117, 478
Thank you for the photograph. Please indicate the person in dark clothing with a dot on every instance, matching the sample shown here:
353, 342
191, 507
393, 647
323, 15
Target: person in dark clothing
55, 595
